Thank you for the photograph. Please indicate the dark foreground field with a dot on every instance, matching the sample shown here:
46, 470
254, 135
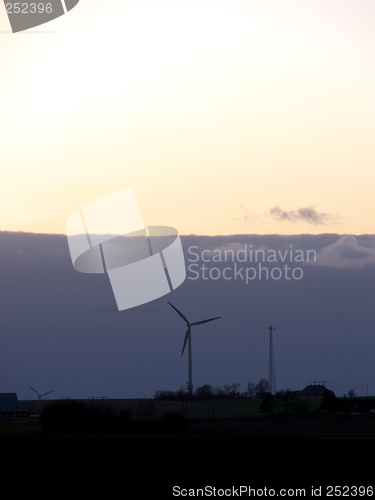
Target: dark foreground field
271, 452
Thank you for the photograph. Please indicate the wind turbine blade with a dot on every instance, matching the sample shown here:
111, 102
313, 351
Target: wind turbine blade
178, 312
45, 394
33, 389
204, 321
186, 337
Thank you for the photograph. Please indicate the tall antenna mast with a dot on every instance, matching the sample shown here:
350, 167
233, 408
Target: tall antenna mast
271, 364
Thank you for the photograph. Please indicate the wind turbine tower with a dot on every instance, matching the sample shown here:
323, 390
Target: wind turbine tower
271, 364
188, 339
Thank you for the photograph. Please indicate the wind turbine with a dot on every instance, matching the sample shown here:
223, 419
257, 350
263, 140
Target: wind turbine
188, 337
40, 395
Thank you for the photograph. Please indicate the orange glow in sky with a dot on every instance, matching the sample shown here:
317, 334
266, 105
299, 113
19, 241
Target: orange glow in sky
224, 116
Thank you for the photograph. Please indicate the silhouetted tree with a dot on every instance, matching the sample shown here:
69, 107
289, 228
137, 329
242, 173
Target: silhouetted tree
268, 404
204, 392
251, 391
283, 400
262, 386
218, 392
182, 393
231, 391
66, 416
330, 403
165, 395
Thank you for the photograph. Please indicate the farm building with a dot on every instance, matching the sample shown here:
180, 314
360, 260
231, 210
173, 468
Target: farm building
314, 392
10, 407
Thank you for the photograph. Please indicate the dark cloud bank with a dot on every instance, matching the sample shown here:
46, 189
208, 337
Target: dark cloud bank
61, 330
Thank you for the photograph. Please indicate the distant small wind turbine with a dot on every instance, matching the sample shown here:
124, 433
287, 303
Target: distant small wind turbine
40, 395
188, 337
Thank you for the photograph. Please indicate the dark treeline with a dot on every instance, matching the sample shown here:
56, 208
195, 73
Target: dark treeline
72, 417
207, 391
284, 401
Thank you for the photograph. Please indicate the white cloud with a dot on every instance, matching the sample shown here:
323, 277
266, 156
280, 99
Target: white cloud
346, 253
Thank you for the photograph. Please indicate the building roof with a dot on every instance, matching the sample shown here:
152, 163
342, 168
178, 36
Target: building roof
314, 391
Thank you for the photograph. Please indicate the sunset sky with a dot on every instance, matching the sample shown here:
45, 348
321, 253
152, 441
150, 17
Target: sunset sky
224, 116
243, 122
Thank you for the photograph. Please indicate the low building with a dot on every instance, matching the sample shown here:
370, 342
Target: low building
314, 392
10, 407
